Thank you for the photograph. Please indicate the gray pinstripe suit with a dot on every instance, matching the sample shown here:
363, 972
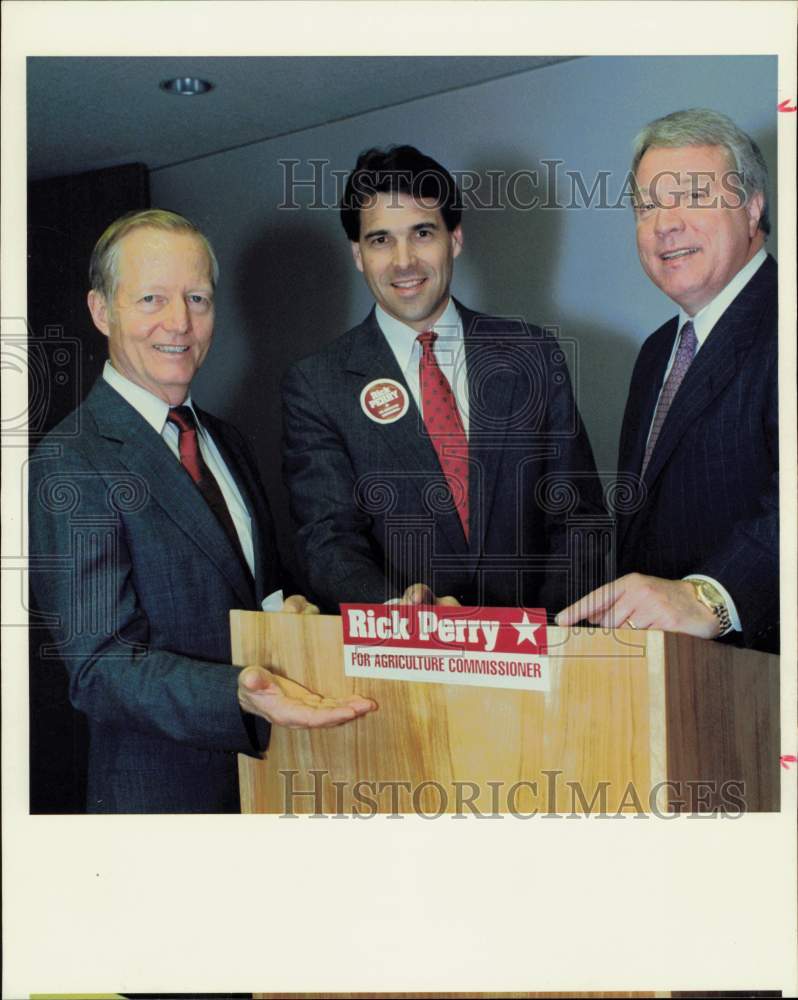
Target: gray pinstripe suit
140, 578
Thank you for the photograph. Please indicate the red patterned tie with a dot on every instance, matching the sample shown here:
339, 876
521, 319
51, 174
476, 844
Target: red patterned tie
192, 461
688, 343
444, 425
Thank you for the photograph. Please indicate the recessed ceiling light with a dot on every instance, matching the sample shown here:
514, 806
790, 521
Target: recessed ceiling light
186, 86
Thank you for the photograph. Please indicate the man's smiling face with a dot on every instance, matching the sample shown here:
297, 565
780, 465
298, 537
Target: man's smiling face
160, 323
694, 229
406, 255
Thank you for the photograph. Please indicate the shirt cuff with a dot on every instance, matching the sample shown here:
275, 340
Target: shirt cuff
274, 602
734, 618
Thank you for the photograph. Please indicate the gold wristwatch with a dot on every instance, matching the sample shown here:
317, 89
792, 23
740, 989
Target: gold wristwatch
711, 598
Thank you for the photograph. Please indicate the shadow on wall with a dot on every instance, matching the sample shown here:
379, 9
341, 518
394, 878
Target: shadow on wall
293, 287
512, 260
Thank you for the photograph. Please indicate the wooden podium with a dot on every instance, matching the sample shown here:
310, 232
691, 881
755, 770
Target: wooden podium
634, 721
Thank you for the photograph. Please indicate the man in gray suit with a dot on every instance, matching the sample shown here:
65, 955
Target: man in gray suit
148, 526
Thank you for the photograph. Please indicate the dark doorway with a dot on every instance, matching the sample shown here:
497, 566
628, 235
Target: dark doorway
65, 356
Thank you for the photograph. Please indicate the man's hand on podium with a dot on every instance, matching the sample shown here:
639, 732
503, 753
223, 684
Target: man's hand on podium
296, 604
419, 593
639, 601
286, 703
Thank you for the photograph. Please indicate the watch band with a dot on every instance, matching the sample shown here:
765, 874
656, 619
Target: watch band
711, 598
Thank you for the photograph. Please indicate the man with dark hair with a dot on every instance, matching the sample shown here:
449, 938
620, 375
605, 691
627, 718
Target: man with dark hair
700, 554
400, 168
428, 450
147, 527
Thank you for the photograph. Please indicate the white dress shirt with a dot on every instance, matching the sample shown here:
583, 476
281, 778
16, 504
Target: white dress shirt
449, 351
448, 348
703, 323
705, 319
155, 412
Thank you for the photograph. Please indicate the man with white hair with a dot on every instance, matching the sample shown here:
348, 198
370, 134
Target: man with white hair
700, 553
148, 526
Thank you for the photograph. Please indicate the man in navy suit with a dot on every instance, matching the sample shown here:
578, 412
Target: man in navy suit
700, 553
138, 565
431, 450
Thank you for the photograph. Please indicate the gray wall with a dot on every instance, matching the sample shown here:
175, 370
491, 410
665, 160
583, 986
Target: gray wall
288, 284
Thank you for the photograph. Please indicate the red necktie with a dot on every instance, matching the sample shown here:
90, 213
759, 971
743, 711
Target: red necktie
444, 426
192, 461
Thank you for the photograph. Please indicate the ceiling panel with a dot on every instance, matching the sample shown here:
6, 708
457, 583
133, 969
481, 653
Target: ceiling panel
88, 113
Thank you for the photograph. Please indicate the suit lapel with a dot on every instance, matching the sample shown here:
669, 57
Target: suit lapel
371, 358
490, 403
240, 467
491, 385
721, 356
648, 380
146, 455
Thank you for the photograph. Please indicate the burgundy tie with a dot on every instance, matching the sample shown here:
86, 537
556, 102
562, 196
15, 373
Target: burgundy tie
192, 461
444, 425
684, 357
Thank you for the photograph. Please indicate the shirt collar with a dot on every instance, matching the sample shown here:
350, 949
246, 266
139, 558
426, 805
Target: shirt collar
402, 338
150, 407
706, 318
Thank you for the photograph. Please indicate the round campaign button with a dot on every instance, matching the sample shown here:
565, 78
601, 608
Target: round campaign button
384, 401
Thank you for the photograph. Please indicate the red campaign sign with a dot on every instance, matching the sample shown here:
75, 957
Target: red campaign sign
424, 627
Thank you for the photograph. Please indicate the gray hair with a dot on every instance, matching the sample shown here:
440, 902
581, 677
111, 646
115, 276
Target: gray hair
704, 127
104, 263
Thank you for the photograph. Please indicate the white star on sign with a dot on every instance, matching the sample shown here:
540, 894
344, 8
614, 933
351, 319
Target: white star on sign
526, 630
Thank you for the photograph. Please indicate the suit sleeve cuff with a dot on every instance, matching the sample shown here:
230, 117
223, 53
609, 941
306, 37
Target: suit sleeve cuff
274, 602
258, 730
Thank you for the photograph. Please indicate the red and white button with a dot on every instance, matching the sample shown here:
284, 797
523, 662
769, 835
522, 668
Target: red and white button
384, 401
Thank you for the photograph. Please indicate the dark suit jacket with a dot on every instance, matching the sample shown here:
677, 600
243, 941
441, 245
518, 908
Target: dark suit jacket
139, 578
711, 503
370, 500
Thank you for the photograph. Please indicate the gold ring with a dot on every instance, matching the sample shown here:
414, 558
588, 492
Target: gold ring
630, 623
